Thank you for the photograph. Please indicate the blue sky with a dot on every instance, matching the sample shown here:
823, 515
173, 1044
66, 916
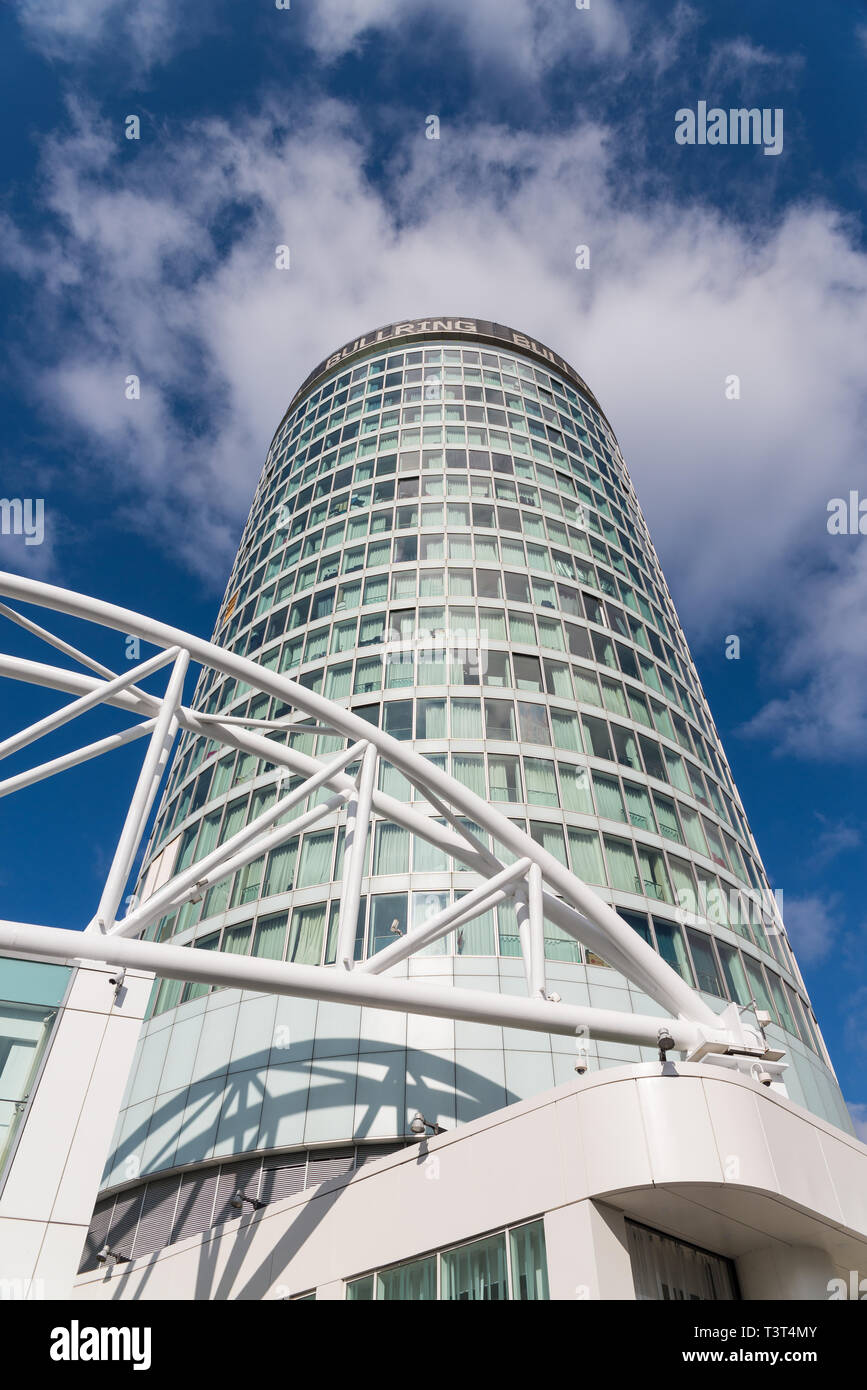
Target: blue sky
306, 127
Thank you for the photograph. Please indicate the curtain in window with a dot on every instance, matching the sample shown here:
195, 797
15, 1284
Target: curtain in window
672, 948
337, 680
608, 799
667, 818
371, 632
208, 834
416, 1281
466, 719
551, 635
733, 971
270, 937
575, 786
476, 938
248, 882
758, 988
705, 964
469, 768
693, 831
653, 874
622, 865
541, 782
567, 730
368, 674
281, 867
668, 1270
432, 548
476, 1271
676, 771
586, 856
399, 669
522, 628
529, 1263
550, 837
392, 849
185, 854
504, 778
684, 886
403, 584
237, 939
306, 933
315, 861
432, 719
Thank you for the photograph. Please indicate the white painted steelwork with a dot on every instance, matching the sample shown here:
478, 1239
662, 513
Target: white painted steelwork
541, 886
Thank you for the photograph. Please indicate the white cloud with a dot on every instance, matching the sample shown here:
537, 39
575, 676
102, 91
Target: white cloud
484, 222
812, 927
144, 32
522, 35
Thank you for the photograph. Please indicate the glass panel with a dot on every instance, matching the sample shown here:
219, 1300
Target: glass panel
469, 768
476, 1271
586, 855
270, 937
704, 960
388, 910
392, 849
504, 776
575, 786
608, 798
541, 782
672, 948
529, 1265
306, 935
416, 1281
735, 976
315, 861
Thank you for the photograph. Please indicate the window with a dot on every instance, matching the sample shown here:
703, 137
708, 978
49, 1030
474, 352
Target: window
670, 1270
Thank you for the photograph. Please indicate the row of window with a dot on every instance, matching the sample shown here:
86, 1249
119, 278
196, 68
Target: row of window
585, 536
624, 865
409, 548
308, 936
509, 1265
502, 721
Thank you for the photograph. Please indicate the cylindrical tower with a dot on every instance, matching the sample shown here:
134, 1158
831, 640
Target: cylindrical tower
444, 538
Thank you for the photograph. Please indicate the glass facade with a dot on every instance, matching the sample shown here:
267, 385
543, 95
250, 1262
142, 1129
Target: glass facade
30, 996
445, 539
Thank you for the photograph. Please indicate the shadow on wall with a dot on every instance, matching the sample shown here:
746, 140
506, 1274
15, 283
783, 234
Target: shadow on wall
259, 1107
218, 1272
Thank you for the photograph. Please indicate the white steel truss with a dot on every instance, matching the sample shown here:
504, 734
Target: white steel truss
538, 883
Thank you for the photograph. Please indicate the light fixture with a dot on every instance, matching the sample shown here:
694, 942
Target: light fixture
420, 1126
240, 1198
106, 1254
395, 927
665, 1041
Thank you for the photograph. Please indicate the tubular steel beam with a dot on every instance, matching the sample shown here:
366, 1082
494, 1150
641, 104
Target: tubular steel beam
414, 996
598, 923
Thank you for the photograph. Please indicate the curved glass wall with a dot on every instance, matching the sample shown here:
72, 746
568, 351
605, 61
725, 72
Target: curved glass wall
446, 540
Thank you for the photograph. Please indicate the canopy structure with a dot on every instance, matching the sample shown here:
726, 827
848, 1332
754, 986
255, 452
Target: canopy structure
540, 885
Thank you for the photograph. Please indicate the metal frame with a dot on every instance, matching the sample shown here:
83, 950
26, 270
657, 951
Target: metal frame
539, 884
